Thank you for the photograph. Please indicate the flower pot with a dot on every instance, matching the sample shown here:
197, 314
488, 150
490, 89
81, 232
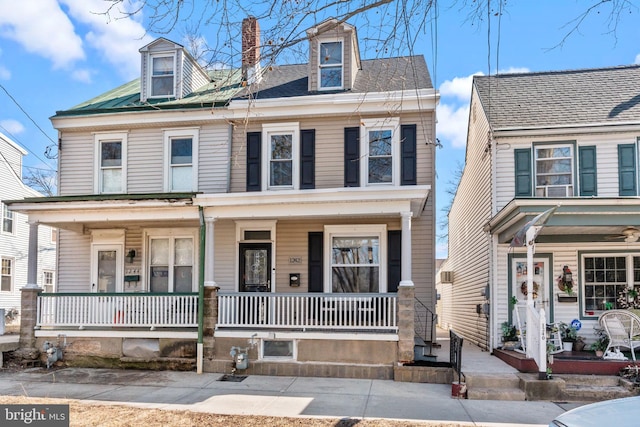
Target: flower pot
567, 346
599, 353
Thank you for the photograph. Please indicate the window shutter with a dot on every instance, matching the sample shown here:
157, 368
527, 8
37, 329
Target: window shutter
394, 254
523, 172
316, 283
352, 157
254, 145
408, 170
627, 169
307, 159
587, 165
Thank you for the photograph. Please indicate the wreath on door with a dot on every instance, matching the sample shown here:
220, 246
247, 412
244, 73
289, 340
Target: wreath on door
536, 287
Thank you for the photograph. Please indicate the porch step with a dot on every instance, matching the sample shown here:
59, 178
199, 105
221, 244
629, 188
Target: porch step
592, 388
422, 350
494, 387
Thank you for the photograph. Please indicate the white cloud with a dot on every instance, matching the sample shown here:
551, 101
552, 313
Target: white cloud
13, 127
42, 28
514, 70
637, 59
5, 74
452, 124
117, 37
459, 87
81, 75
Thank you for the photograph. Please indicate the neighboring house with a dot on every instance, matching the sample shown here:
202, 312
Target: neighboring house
280, 198
14, 232
536, 141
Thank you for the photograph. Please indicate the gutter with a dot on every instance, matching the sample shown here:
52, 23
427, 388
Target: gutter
200, 345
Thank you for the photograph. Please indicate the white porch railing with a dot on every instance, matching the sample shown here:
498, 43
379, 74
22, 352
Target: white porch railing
369, 312
117, 310
537, 346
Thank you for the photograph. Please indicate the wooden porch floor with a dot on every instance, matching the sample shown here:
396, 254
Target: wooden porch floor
567, 362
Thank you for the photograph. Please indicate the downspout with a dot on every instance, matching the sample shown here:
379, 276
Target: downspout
200, 345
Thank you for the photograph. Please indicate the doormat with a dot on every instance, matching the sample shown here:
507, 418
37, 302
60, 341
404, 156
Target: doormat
232, 378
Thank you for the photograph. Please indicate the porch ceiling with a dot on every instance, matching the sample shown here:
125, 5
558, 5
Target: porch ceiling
575, 220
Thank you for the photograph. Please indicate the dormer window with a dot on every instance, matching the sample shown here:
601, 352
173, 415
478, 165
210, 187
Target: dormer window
162, 76
331, 64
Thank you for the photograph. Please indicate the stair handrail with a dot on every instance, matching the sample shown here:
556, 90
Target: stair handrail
430, 317
455, 354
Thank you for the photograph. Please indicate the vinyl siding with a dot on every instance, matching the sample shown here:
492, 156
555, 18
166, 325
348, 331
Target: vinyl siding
74, 261
146, 168
469, 248
76, 164
330, 148
348, 51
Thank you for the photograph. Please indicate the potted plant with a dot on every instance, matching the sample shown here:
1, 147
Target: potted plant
569, 335
509, 336
601, 343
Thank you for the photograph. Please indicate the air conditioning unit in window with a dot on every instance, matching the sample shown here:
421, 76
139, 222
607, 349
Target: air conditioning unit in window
555, 191
446, 276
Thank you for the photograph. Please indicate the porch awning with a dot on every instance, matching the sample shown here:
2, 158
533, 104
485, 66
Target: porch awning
576, 219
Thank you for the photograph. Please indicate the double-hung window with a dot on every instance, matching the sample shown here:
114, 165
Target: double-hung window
357, 258
162, 76
171, 262
380, 141
606, 277
48, 278
330, 65
7, 220
6, 285
182, 160
281, 143
111, 161
554, 170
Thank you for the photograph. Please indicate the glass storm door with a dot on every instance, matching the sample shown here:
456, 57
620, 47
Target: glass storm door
255, 267
108, 264
540, 283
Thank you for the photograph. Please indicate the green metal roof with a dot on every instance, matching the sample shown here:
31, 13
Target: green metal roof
223, 86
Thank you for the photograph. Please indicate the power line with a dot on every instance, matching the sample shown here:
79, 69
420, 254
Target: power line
30, 118
13, 137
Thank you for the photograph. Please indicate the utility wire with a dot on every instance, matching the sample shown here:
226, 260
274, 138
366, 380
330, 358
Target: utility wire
13, 137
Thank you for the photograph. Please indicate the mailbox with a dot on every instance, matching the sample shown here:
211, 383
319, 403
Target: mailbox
294, 279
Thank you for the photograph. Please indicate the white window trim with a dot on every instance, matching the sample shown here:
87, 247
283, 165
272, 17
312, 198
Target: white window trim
13, 220
172, 234
392, 124
53, 279
294, 355
331, 231
153, 56
169, 134
630, 282
99, 138
281, 128
545, 188
320, 66
13, 273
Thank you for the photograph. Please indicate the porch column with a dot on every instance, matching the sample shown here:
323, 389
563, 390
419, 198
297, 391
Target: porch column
405, 263
32, 266
406, 296
209, 252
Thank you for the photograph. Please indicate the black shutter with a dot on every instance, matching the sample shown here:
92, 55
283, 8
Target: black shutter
352, 157
627, 170
408, 169
254, 145
308, 159
394, 253
523, 172
587, 165
315, 261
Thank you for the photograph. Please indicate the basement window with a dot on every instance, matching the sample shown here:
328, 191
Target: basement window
280, 349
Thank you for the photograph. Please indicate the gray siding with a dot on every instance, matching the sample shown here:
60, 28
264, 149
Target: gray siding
74, 261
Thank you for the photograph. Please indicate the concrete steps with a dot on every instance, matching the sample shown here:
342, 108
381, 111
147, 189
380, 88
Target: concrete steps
591, 388
494, 387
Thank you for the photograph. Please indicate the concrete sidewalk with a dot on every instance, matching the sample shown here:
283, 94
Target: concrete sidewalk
274, 396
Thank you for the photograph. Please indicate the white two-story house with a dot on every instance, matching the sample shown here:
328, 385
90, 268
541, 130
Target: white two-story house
297, 197
565, 139
14, 233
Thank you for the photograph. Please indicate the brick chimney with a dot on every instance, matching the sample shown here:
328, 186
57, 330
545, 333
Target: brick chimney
250, 50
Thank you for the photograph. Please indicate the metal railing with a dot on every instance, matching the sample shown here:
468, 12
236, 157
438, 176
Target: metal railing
117, 310
368, 312
455, 354
424, 323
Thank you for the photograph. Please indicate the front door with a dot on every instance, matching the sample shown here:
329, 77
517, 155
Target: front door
255, 267
107, 265
541, 288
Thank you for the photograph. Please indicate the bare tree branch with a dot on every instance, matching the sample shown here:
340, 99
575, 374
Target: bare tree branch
43, 181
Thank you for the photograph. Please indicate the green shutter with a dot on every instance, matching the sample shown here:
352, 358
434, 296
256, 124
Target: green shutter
523, 172
627, 170
588, 176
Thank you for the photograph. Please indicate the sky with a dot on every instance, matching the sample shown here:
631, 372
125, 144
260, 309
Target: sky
55, 54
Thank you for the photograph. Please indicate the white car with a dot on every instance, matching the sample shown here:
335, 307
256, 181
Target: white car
617, 412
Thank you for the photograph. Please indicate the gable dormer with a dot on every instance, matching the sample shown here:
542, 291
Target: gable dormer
169, 71
334, 56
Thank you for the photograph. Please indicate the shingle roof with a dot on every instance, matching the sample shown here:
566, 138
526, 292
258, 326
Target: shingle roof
377, 75
561, 98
